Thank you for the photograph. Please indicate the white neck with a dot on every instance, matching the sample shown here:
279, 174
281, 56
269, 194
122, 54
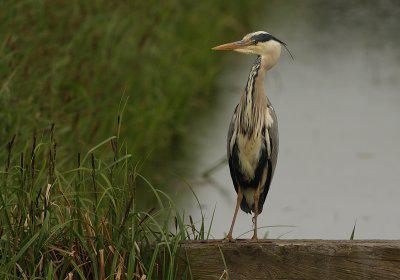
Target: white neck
271, 56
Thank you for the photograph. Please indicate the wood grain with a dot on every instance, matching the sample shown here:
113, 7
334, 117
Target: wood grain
291, 259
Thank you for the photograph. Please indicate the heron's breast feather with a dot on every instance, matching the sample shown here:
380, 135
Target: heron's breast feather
249, 152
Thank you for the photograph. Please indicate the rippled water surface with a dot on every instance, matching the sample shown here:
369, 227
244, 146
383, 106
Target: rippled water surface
338, 105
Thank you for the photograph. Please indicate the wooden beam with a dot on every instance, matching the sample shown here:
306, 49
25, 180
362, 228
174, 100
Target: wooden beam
290, 259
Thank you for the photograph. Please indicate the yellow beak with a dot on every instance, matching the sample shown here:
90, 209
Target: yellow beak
232, 46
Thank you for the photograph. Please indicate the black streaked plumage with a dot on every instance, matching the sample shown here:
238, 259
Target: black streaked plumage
265, 162
262, 37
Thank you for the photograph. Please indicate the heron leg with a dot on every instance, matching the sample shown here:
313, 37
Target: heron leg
238, 201
256, 199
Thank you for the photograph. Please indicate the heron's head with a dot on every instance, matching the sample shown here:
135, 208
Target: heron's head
259, 43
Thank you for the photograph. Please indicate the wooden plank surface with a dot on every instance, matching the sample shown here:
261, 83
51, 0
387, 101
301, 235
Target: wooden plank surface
291, 259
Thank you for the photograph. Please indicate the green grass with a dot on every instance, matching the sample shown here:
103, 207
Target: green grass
353, 231
73, 67
85, 222
73, 63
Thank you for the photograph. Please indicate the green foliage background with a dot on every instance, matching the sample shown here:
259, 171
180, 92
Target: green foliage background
75, 63
79, 65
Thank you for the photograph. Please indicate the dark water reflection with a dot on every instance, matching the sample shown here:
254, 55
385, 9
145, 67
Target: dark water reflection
338, 105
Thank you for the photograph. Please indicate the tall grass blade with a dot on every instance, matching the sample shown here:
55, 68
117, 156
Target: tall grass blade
353, 231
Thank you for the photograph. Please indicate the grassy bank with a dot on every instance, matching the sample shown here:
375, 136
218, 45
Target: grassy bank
85, 222
73, 63
74, 203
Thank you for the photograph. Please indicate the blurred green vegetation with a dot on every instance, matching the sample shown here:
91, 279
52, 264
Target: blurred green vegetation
65, 199
87, 222
76, 63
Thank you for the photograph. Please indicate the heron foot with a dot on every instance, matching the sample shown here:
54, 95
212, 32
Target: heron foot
255, 238
228, 238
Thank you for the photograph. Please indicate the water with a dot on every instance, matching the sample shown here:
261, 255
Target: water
338, 106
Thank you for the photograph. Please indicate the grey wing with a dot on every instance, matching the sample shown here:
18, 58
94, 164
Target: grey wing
231, 136
230, 147
272, 144
273, 139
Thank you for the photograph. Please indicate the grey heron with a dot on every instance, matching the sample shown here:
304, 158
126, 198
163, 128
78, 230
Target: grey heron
253, 132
